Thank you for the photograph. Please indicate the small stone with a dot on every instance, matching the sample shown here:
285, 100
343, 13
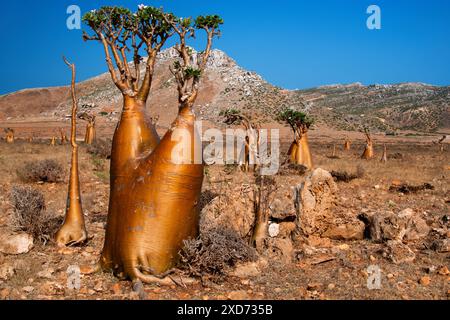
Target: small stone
372, 258
425, 281
28, 289
444, 271
46, 274
277, 290
245, 282
116, 288
205, 298
274, 230
390, 276
343, 247
238, 295
376, 187
313, 286
331, 286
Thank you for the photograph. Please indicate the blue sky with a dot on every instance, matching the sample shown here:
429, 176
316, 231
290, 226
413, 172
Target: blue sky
291, 43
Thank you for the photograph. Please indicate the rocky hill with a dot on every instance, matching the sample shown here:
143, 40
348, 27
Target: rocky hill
412, 106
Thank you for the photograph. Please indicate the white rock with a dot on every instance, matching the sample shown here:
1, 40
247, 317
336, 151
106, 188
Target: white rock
16, 243
274, 230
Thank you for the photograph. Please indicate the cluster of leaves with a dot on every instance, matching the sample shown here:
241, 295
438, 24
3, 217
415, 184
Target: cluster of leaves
295, 118
208, 22
232, 116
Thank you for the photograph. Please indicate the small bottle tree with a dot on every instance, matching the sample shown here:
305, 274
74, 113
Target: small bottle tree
249, 154
300, 123
368, 149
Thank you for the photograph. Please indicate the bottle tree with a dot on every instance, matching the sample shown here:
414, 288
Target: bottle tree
300, 123
154, 192
368, 149
73, 230
249, 154
90, 134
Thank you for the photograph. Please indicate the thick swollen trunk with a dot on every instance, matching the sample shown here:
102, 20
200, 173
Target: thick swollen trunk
53, 141
292, 153
300, 152
134, 138
73, 230
162, 209
10, 138
89, 137
368, 151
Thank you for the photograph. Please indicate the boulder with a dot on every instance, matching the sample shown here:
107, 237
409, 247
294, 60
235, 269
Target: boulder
350, 231
16, 243
404, 225
315, 198
233, 210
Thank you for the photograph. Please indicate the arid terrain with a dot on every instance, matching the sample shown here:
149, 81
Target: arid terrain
327, 266
362, 229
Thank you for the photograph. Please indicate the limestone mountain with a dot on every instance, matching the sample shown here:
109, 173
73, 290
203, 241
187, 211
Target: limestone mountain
226, 85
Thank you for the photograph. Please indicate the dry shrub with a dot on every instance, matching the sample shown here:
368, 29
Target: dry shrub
101, 148
30, 214
344, 176
407, 188
215, 253
48, 170
290, 169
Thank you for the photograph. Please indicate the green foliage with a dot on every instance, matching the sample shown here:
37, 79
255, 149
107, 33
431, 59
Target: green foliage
191, 72
232, 116
208, 22
295, 118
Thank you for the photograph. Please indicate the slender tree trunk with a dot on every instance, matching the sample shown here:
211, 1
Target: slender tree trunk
384, 156
261, 219
347, 145
73, 230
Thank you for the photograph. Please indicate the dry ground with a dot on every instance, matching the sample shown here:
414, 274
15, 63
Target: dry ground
343, 277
